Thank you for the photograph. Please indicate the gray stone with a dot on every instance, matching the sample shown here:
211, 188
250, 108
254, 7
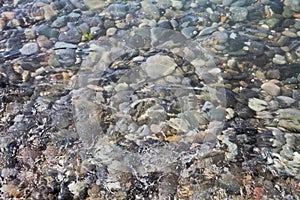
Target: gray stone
83, 28
72, 36
221, 37
158, 66
49, 12
208, 30
279, 59
73, 17
94, 4
61, 45
239, 3
257, 104
227, 2
271, 88
150, 10
47, 31
118, 10
43, 41
297, 25
29, 49
217, 114
286, 100
29, 33
293, 4
59, 22
156, 113
273, 74
189, 32
238, 13
216, 1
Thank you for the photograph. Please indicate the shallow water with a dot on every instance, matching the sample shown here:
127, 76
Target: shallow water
150, 99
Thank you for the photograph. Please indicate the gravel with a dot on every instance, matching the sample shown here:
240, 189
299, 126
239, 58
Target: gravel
149, 99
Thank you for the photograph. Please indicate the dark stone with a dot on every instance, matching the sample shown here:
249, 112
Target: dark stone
71, 36
47, 31
165, 24
276, 6
13, 43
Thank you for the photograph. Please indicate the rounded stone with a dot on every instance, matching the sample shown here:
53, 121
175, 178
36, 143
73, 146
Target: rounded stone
279, 59
111, 31
189, 32
43, 41
159, 66
271, 88
238, 13
29, 49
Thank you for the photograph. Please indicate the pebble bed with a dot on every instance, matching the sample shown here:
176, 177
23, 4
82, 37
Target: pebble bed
191, 99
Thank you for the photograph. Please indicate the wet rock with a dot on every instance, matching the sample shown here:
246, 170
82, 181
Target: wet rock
49, 12
273, 74
118, 10
279, 59
29, 49
286, 101
217, 114
47, 31
189, 32
221, 37
271, 88
294, 5
29, 33
151, 11
71, 36
238, 13
94, 4
158, 66
208, 30
73, 17
59, 22
257, 104
43, 41
111, 31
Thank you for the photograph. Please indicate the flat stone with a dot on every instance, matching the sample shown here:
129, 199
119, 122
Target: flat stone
66, 45
286, 100
111, 31
118, 10
150, 10
279, 59
159, 66
94, 4
49, 12
29, 49
72, 36
238, 13
271, 88
257, 104
221, 37
189, 32
59, 22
